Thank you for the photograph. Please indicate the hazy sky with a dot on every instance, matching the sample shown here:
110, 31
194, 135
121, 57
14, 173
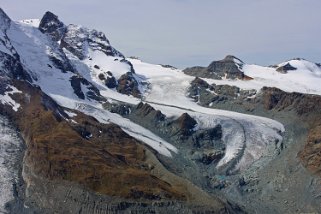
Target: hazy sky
193, 32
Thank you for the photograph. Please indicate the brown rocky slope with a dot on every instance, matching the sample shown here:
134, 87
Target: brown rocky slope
101, 158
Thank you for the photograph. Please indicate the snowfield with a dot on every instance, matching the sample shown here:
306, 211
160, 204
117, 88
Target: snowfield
306, 79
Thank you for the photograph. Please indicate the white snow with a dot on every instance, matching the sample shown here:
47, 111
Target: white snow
70, 114
7, 100
106, 63
31, 22
306, 79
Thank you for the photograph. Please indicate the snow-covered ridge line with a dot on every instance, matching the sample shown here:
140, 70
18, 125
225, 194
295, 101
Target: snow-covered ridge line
302, 76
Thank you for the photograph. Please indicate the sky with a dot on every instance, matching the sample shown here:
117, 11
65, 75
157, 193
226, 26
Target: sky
186, 33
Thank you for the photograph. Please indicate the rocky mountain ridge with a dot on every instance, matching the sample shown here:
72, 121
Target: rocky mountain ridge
105, 133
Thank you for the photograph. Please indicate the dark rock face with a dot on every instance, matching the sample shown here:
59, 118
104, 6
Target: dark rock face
111, 82
184, 125
198, 82
275, 98
207, 94
5, 21
229, 68
12, 68
52, 26
169, 66
285, 68
93, 93
210, 157
120, 109
146, 110
127, 84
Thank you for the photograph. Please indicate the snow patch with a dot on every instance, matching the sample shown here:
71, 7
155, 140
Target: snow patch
70, 114
7, 100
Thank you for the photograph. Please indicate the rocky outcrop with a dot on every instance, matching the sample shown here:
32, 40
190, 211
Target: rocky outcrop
285, 68
207, 95
74, 38
111, 82
127, 84
307, 107
11, 67
145, 110
274, 98
79, 84
230, 68
52, 26
5, 21
311, 153
184, 125
77, 39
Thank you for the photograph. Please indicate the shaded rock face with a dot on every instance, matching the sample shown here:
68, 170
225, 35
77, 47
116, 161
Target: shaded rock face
12, 67
285, 68
307, 107
5, 21
207, 136
206, 94
146, 110
52, 26
127, 84
10, 64
229, 68
184, 125
78, 83
74, 38
274, 98
111, 82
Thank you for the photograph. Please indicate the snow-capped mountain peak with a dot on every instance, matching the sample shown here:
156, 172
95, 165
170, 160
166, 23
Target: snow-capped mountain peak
301, 65
51, 25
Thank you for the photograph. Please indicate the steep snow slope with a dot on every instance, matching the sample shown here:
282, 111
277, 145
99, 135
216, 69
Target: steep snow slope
305, 78
34, 49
